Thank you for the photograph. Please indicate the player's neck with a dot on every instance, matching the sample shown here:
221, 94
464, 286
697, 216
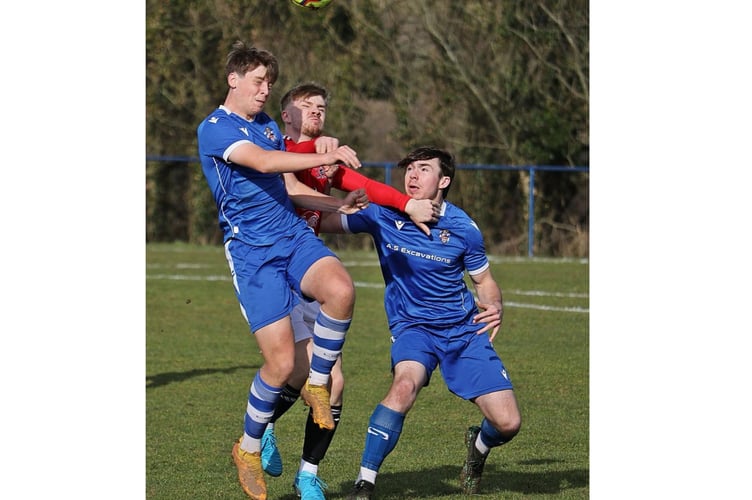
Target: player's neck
293, 134
297, 136
234, 109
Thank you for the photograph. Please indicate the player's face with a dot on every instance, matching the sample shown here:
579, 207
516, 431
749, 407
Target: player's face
423, 179
251, 91
309, 115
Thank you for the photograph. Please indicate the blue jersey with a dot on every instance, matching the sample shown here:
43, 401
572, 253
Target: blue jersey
253, 207
424, 277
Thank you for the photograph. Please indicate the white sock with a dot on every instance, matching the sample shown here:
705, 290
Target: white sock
250, 444
308, 467
367, 474
481, 446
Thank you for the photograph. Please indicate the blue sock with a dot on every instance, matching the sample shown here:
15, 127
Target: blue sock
328, 339
384, 429
261, 401
489, 435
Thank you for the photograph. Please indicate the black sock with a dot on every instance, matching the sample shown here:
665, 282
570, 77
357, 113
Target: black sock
317, 440
287, 398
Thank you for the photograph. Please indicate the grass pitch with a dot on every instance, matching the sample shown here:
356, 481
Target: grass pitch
200, 360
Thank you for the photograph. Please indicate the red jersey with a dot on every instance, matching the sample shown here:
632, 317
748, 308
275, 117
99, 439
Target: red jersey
345, 179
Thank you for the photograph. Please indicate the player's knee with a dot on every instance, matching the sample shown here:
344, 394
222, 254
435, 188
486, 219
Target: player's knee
344, 289
339, 292
403, 392
511, 428
283, 369
505, 428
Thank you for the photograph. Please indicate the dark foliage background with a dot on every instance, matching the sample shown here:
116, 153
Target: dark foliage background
495, 82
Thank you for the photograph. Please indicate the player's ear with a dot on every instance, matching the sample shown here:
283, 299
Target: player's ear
232, 80
444, 182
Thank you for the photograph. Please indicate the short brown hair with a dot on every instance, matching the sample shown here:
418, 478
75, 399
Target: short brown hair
446, 161
303, 90
243, 58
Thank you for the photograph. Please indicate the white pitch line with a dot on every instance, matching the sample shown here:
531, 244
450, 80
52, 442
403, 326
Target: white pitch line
182, 277
546, 294
364, 284
547, 308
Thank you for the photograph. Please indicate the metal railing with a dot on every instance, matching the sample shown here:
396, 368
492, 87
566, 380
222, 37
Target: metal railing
388, 167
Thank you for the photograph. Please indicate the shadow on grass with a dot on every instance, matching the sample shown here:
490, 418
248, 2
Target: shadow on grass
444, 481
161, 379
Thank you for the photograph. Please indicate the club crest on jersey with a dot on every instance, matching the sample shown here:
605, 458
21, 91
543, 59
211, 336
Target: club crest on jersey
319, 173
312, 218
269, 134
444, 236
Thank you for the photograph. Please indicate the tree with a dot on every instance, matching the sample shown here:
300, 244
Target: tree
495, 82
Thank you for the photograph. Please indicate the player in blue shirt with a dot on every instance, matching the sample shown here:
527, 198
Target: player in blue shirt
434, 319
273, 256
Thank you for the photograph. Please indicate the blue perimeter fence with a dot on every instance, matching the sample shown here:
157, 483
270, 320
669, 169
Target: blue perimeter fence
388, 167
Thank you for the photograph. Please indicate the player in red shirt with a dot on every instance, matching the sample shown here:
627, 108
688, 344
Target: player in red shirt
304, 114
309, 110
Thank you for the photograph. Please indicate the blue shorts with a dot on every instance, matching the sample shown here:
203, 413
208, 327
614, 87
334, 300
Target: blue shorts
267, 278
468, 361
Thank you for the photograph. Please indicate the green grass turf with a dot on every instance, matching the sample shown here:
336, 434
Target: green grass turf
200, 360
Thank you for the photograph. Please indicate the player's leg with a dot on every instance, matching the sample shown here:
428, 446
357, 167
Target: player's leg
328, 281
317, 440
302, 317
500, 425
414, 359
323, 277
502, 414
262, 397
473, 371
385, 424
267, 313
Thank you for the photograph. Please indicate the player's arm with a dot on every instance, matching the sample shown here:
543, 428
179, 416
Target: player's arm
303, 196
420, 211
274, 161
331, 223
489, 302
321, 144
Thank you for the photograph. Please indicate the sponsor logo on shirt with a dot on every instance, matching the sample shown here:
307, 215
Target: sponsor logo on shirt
417, 253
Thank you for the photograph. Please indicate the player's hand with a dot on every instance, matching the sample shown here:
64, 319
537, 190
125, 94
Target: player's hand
492, 315
326, 144
329, 170
354, 202
343, 154
422, 212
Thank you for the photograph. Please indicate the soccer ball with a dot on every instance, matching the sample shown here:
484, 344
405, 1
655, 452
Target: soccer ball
311, 4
